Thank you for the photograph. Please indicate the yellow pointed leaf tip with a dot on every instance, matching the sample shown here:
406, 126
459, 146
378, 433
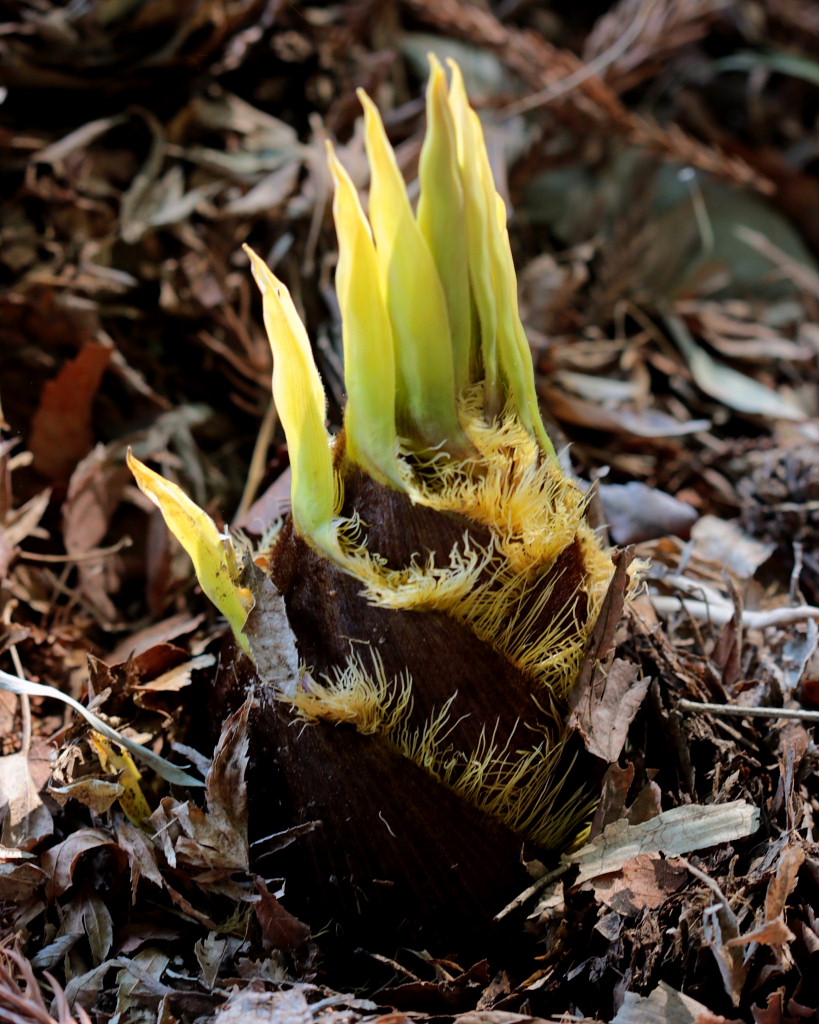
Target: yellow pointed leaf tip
425, 392
300, 402
504, 346
442, 220
211, 553
132, 799
473, 162
369, 359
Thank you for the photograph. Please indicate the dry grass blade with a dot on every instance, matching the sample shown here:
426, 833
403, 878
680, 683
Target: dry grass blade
543, 66
21, 1001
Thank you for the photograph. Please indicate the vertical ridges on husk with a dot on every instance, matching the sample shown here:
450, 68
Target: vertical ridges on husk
438, 570
442, 416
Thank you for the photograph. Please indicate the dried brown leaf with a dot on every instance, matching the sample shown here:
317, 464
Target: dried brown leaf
645, 881
94, 492
211, 952
268, 631
726, 544
784, 881
602, 715
281, 930
96, 919
141, 856
61, 432
97, 794
648, 423
19, 882
772, 933
226, 787
607, 696
22, 522
60, 861
636, 512
26, 819
140, 979
154, 636
666, 1006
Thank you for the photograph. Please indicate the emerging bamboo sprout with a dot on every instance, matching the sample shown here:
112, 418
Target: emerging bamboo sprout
437, 568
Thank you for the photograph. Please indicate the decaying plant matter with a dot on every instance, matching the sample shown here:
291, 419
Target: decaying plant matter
437, 568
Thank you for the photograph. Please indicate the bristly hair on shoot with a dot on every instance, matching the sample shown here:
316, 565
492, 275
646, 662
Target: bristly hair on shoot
437, 568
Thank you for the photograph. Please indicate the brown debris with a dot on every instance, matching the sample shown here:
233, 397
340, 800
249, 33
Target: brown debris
542, 66
61, 429
672, 313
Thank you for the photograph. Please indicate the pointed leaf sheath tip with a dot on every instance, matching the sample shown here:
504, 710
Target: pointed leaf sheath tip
369, 357
300, 401
212, 559
425, 380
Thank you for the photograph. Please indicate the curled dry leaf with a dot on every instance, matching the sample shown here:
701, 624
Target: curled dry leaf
60, 861
607, 694
728, 386
774, 931
226, 787
97, 794
602, 715
212, 843
19, 882
280, 929
636, 512
720, 927
18, 525
97, 922
648, 423
141, 856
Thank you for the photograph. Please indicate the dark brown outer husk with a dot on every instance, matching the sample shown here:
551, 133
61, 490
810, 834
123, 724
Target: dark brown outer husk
398, 858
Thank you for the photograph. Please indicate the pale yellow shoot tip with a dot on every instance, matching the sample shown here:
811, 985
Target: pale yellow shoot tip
369, 357
211, 553
300, 402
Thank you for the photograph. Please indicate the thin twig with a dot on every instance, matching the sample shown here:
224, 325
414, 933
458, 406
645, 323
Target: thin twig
719, 614
258, 461
804, 276
590, 70
25, 704
84, 556
734, 711
533, 890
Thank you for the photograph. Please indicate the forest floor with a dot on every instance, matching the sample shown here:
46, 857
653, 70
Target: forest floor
661, 158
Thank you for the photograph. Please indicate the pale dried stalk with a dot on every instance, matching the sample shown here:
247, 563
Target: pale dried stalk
543, 66
720, 614
22, 1001
736, 711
